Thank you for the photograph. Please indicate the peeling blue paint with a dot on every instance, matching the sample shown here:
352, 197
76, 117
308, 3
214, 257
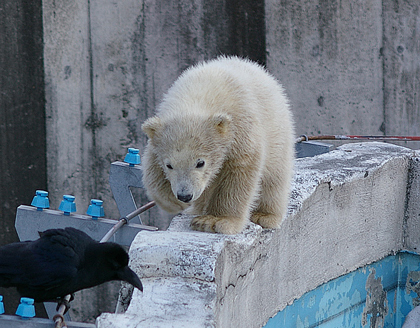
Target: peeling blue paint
378, 295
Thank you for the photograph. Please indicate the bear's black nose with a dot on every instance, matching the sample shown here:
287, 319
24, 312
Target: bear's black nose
184, 198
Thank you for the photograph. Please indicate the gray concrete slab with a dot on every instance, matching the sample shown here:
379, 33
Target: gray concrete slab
347, 210
68, 103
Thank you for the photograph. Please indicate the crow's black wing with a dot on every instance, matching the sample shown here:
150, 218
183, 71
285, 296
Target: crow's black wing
46, 267
59, 255
12, 263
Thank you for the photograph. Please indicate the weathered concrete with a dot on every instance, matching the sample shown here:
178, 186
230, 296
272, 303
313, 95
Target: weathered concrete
67, 92
347, 210
412, 215
327, 55
23, 167
401, 50
349, 66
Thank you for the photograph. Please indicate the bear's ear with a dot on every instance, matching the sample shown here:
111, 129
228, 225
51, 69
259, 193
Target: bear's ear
151, 125
221, 122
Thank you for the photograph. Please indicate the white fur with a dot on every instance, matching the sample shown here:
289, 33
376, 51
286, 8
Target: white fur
232, 115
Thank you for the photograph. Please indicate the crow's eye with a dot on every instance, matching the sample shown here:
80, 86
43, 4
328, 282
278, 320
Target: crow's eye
169, 166
199, 164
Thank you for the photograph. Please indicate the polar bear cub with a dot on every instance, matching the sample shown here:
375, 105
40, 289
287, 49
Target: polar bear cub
222, 145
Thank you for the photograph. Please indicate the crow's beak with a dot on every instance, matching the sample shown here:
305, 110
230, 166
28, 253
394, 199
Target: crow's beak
128, 275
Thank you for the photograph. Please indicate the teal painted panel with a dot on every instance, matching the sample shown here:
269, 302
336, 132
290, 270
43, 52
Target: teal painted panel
380, 294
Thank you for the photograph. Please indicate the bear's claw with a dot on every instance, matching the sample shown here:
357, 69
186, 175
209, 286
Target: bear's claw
268, 221
210, 223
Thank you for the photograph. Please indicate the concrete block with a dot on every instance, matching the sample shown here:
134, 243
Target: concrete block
347, 210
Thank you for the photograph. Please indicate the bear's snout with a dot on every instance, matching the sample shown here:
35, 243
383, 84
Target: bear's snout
184, 197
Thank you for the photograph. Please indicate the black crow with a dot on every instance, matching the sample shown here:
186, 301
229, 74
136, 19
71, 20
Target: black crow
61, 262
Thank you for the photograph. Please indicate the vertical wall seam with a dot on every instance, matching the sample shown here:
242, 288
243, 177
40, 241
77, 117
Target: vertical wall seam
407, 203
93, 117
382, 52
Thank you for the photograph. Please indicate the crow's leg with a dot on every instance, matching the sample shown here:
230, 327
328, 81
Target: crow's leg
62, 301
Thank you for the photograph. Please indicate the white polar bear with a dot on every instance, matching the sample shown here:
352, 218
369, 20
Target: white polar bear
222, 145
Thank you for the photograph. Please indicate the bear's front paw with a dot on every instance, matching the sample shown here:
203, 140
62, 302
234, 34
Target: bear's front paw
268, 221
227, 224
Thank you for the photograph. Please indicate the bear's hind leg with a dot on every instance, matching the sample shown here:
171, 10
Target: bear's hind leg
272, 204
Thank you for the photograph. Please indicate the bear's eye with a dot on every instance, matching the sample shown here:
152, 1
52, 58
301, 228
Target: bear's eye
169, 166
199, 164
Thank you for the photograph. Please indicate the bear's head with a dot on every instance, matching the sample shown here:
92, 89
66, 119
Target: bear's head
190, 150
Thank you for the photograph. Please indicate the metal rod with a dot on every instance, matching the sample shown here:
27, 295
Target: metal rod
140, 210
127, 218
112, 231
59, 317
358, 137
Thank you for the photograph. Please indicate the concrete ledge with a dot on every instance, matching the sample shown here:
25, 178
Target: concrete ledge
348, 209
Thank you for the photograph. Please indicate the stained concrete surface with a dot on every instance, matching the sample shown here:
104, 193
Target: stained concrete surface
348, 209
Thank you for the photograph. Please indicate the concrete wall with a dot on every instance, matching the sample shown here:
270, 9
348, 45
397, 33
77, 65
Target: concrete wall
22, 117
349, 67
328, 56
401, 50
349, 208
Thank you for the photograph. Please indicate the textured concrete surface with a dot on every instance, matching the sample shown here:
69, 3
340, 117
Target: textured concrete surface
348, 209
401, 50
22, 118
327, 54
412, 216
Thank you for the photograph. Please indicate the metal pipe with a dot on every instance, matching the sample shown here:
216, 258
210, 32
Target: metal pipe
59, 317
127, 218
140, 210
358, 137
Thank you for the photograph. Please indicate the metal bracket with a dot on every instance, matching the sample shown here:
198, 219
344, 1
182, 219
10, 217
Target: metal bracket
122, 176
8, 321
311, 148
29, 221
